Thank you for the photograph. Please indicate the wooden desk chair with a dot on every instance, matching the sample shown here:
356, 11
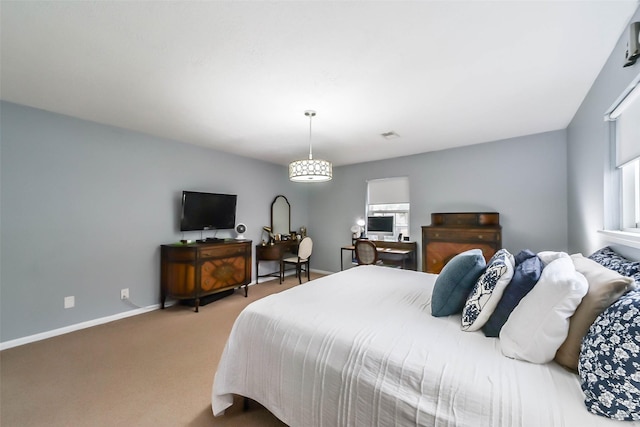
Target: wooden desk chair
366, 252
302, 260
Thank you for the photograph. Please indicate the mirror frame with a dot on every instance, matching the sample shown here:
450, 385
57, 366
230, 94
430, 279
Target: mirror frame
280, 200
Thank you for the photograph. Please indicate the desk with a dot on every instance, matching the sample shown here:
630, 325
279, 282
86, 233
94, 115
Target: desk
275, 252
402, 254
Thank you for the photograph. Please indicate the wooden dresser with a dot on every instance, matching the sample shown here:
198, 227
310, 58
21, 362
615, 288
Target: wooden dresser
195, 270
452, 233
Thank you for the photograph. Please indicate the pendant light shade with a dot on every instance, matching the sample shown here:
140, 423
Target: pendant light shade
310, 170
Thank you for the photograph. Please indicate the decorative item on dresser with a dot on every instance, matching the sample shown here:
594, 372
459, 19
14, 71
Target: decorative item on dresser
192, 271
452, 233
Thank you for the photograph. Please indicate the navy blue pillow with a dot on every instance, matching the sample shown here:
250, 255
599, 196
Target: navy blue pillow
455, 282
526, 275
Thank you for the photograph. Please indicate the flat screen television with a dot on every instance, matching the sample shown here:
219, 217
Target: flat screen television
207, 211
380, 224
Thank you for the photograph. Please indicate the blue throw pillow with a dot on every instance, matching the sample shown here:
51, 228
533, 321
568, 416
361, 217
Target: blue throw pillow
526, 275
609, 363
455, 281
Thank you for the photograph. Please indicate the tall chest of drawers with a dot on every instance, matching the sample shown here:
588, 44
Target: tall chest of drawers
452, 233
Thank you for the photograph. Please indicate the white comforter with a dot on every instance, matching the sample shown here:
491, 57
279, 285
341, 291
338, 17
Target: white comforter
360, 348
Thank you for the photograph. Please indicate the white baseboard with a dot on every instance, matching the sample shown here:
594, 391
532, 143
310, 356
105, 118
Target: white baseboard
90, 323
76, 327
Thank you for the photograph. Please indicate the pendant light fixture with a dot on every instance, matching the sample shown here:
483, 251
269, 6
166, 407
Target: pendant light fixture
310, 170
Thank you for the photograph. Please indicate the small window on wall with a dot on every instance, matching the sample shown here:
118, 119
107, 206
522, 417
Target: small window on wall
625, 117
387, 208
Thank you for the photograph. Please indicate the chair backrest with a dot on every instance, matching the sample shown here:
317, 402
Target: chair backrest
305, 248
366, 252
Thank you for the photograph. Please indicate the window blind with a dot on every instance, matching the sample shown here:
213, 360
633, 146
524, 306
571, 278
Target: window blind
388, 191
626, 114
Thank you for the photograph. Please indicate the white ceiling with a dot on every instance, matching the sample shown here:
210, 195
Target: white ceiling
237, 76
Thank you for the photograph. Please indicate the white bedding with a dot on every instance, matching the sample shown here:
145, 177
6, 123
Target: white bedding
360, 348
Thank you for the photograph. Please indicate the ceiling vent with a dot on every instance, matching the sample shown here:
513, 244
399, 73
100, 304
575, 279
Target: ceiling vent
390, 135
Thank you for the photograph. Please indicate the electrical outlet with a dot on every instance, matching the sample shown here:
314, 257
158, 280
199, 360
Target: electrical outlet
69, 302
124, 293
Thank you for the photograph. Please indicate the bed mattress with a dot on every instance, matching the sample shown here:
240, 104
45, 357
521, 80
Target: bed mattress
360, 348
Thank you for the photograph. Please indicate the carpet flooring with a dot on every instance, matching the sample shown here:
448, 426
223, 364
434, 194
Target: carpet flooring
154, 369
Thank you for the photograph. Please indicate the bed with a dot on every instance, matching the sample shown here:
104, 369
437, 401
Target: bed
361, 348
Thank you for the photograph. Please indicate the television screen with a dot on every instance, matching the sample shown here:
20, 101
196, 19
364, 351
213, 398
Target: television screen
207, 211
380, 224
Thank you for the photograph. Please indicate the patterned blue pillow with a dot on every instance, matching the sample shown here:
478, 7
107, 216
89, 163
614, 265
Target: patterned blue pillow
609, 364
616, 262
487, 291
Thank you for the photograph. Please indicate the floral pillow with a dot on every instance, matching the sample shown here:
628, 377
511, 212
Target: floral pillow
488, 290
616, 262
609, 364
605, 287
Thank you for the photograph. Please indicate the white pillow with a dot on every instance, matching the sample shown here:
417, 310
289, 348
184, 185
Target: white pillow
486, 293
540, 323
547, 256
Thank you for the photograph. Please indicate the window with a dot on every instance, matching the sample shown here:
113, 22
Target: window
389, 198
625, 117
630, 190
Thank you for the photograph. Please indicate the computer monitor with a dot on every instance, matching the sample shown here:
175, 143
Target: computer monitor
380, 224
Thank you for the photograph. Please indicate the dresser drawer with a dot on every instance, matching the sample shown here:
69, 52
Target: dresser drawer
438, 254
269, 252
179, 254
222, 251
458, 235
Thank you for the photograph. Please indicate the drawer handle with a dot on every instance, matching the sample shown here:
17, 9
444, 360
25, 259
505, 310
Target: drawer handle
437, 235
480, 236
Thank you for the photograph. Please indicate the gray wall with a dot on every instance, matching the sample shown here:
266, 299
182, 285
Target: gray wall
588, 155
524, 179
86, 206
